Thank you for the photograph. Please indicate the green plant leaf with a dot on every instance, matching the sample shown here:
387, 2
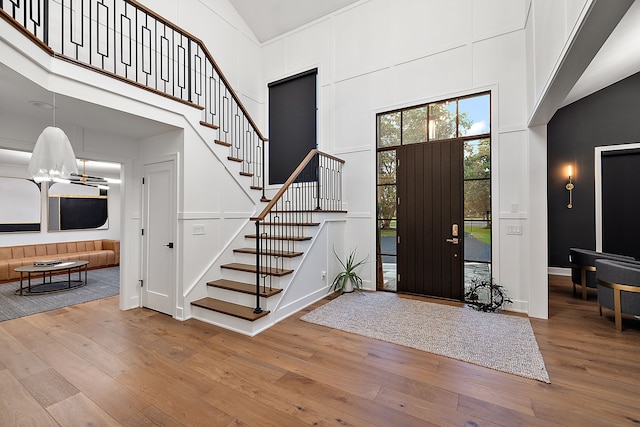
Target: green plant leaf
349, 273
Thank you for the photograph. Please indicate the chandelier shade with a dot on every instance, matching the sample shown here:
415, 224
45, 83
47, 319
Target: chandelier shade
53, 157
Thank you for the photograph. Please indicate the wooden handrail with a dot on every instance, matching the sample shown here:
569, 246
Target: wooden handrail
208, 55
4, 15
291, 180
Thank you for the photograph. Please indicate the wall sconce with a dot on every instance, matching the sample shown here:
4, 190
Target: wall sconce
570, 187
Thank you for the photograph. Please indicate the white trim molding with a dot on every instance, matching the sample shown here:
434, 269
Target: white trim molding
598, 178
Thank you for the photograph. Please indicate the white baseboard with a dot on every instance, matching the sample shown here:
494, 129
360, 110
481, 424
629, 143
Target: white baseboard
560, 271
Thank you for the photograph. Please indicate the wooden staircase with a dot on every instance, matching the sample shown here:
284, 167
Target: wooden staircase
283, 232
242, 293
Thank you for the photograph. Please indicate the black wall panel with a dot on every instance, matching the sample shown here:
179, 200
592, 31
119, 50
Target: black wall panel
610, 116
292, 123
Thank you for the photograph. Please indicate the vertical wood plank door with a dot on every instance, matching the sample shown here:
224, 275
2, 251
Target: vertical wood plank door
430, 202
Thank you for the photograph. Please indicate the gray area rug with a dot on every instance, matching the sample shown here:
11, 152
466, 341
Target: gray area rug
496, 341
101, 283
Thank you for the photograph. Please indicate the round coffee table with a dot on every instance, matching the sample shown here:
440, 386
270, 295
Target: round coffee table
46, 287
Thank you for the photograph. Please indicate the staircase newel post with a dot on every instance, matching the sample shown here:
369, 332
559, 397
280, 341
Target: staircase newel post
257, 309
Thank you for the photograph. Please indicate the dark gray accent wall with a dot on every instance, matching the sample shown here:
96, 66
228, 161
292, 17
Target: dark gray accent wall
610, 116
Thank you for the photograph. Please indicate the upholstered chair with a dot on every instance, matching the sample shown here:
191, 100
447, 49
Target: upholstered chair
618, 288
583, 267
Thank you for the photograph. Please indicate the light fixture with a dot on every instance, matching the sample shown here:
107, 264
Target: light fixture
570, 187
53, 157
84, 179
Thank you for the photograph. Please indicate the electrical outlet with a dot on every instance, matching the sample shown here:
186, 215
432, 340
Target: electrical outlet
323, 275
198, 229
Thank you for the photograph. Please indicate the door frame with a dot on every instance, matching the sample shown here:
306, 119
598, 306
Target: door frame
598, 151
174, 159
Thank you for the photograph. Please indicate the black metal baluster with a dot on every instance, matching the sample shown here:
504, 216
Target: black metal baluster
257, 310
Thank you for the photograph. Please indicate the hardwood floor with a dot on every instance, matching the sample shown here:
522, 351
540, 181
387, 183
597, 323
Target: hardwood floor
93, 364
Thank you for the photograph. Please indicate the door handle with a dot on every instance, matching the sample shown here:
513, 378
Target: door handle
455, 240
169, 245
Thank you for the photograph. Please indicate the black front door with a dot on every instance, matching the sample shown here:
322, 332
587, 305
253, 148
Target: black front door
430, 219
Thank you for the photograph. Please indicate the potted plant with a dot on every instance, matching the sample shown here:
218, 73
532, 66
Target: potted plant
348, 280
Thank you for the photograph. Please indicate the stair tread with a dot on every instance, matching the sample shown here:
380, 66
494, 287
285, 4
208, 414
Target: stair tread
271, 252
309, 210
226, 144
246, 174
234, 159
235, 310
252, 269
209, 125
256, 187
246, 288
275, 237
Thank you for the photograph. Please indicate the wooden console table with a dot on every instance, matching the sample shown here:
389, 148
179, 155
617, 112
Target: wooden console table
51, 286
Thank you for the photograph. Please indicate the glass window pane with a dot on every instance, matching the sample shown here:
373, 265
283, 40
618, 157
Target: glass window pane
477, 240
477, 159
477, 200
389, 273
473, 115
387, 202
387, 167
477, 271
442, 120
389, 129
388, 239
414, 125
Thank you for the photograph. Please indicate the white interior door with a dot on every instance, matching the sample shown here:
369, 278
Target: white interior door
159, 222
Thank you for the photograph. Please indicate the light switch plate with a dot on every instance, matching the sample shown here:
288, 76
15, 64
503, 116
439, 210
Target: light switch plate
514, 229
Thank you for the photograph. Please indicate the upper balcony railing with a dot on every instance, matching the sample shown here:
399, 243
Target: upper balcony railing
126, 40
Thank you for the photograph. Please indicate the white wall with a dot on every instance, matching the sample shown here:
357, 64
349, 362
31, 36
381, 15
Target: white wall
550, 27
376, 56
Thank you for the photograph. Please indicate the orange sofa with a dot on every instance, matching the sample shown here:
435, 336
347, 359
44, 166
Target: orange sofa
99, 253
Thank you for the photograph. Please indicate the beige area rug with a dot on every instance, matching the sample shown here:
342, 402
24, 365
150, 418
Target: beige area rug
496, 341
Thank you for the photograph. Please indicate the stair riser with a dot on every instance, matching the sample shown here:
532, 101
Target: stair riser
241, 298
298, 246
229, 322
241, 276
292, 217
283, 262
